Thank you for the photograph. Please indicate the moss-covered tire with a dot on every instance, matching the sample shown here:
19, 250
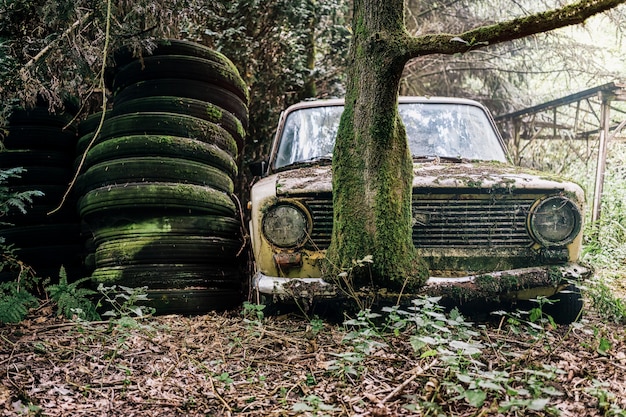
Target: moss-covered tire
144, 123
182, 105
161, 146
155, 226
91, 123
153, 169
165, 248
181, 66
169, 275
124, 56
197, 90
156, 199
568, 306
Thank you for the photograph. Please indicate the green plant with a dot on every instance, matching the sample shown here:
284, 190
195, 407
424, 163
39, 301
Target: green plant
313, 404
605, 302
10, 199
72, 300
123, 301
15, 301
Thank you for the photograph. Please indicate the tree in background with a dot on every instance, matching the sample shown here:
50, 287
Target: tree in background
372, 166
285, 50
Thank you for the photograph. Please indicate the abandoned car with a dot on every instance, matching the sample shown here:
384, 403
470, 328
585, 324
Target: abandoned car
477, 219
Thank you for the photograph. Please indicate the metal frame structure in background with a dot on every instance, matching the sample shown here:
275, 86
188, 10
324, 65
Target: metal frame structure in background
596, 113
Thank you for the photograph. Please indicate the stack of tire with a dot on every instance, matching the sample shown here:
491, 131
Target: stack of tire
43, 144
157, 182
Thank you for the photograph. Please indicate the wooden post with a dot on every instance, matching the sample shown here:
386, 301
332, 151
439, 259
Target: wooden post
605, 109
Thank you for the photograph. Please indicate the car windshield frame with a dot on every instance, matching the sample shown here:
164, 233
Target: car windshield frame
451, 130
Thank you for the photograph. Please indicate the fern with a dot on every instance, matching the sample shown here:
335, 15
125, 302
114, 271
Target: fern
71, 300
11, 199
15, 302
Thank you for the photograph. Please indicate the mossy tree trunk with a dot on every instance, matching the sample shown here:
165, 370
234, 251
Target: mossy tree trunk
372, 165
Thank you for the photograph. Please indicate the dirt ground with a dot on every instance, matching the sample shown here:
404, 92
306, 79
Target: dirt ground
223, 364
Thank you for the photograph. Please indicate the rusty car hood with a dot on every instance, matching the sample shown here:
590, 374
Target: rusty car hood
491, 176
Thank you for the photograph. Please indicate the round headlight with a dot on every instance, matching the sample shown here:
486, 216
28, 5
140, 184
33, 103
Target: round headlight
285, 225
554, 221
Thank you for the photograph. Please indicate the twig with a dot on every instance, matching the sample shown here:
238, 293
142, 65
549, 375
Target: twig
46, 49
107, 39
402, 386
219, 397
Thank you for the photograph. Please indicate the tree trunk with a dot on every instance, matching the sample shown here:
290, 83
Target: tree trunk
372, 165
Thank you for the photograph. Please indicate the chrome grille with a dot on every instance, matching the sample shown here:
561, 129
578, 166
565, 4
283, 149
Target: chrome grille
448, 223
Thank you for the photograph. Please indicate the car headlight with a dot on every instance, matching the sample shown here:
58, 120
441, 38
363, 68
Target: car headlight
554, 221
285, 225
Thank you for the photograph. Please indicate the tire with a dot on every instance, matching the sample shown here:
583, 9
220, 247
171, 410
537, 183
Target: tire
166, 249
42, 235
124, 56
162, 124
91, 123
181, 66
168, 276
162, 146
10, 158
568, 306
181, 105
190, 301
196, 90
153, 169
156, 199
217, 226
39, 116
51, 175
40, 137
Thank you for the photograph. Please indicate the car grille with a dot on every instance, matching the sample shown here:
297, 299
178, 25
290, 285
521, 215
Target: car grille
465, 222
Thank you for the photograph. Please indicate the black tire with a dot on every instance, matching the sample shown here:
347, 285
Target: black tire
10, 158
156, 199
161, 146
39, 137
181, 66
191, 301
36, 212
568, 306
197, 90
42, 235
217, 226
51, 175
189, 106
162, 124
166, 249
39, 116
153, 169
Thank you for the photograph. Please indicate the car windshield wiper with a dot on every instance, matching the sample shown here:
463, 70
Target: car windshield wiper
312, 161
429, 158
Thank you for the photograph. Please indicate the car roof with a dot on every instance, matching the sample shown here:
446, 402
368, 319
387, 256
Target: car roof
401, 99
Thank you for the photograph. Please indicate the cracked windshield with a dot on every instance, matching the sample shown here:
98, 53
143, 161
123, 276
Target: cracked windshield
433, 129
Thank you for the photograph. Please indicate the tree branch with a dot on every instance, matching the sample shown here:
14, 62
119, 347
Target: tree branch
510, 30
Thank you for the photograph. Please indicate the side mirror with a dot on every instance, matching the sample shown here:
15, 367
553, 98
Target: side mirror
258, 168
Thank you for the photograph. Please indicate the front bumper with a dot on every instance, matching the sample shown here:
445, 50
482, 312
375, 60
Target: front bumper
514, 284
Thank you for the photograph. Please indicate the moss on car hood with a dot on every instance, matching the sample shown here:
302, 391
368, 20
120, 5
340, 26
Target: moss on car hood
491, 176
